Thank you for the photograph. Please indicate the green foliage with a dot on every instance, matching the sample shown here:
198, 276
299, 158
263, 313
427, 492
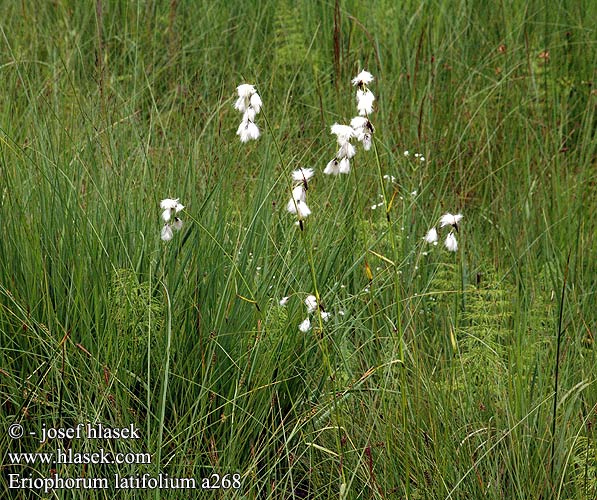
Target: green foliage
291, 48
583, 467
484, 337
136, 313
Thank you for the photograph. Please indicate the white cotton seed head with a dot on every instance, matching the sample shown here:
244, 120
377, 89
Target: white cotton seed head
298, 207
249, 103
363, 78
431, 236
305, 325
303, 211
245, 90
247, 131
451, 243
291, 206
177, 224
311, 303
169, 203
302, 174
249, 115
325, 316
332, 168
284, 301
253, 131
241, 104
167, 232
365, 100
299, 193
343, 132
450, 220
359, 122
363, 130
256, 102
366, 141
347, 150
344, 166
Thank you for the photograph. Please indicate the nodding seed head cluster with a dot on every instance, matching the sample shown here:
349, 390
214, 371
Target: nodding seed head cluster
298, 202
445, 220
360, 127
170, 207
312, 306
249, 104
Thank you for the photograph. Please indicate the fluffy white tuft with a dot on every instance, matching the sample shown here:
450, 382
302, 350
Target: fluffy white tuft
451, 243
347, 150
365, 100
256, 102
311, 303
332, 168
247, 130
303, 174
431, 236
177, 224
363, 78
344, 166
245, 90
450, 220
343, 132
167, 232
305, 325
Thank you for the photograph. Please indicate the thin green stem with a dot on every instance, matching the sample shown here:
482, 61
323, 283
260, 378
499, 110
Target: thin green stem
398, 304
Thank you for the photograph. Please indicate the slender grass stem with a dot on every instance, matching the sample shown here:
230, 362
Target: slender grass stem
164, 395
556, 370
398, 307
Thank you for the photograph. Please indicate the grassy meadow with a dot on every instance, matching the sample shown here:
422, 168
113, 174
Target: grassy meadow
438, 375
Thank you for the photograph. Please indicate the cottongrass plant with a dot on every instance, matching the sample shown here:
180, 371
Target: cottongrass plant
170, 207
249, 104
445, 220
261, 393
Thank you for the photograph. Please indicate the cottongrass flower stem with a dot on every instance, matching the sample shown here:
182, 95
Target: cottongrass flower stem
308, 247
365, 107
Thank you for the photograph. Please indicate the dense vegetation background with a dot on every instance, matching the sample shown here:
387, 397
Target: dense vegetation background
448, 375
